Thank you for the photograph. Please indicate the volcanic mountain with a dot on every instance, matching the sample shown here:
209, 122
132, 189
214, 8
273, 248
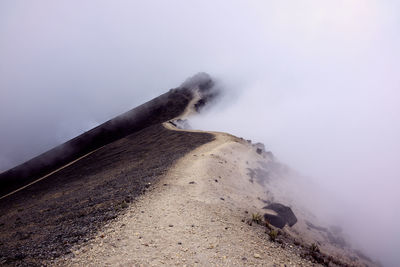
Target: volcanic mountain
144, 189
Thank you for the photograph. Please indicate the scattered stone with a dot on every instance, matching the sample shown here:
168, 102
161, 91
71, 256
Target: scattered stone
244, 259
192, 182
171, 225
222, 198
257, 256
216, 180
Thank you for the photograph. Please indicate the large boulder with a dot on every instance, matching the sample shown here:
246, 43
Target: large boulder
284, 213
275, 220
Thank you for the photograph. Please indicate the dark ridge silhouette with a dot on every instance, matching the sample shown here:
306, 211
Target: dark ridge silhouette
158, 110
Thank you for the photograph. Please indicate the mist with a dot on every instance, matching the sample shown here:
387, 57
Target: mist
316, 81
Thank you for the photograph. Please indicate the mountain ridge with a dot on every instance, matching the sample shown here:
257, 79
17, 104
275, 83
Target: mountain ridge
160, 109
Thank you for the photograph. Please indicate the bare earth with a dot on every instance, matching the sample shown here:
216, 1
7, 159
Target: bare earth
194, 216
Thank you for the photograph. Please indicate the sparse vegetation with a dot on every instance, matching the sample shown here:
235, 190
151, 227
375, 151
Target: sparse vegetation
256, 217
273, 234
314, 247
124, 205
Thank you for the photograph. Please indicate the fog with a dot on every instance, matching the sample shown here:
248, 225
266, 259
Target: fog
316, 81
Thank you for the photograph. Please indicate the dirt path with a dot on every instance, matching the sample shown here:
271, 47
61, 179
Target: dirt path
47, 175
194, 216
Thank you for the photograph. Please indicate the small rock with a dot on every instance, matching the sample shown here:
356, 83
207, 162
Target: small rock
192, 182
171, 225
222, 198
257, 256
244, 259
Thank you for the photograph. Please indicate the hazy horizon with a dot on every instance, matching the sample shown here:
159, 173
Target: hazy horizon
317, 82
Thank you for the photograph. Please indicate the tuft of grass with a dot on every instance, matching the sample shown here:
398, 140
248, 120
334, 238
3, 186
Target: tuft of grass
273, 234
314, 247
124, 205
256, 217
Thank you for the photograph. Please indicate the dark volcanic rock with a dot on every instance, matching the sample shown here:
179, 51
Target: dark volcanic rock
275, 220
284, 212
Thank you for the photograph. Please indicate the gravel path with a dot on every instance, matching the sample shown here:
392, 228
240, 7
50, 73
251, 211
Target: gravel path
195, 216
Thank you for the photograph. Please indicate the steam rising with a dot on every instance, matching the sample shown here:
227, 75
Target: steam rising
316, 81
